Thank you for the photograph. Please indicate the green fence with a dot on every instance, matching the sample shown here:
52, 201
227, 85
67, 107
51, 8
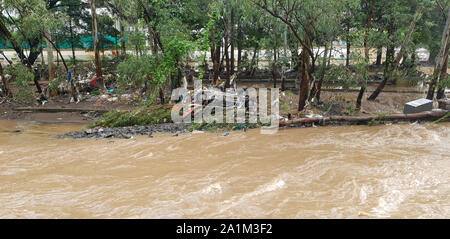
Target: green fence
105, 42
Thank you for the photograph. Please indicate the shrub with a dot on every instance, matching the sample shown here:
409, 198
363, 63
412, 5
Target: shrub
340, 75
22, 76
140, 116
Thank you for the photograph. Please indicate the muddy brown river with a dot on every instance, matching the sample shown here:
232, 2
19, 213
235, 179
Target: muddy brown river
391, 171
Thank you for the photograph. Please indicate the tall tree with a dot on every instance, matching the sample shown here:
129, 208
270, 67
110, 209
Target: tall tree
98, 67
391, 63
366, 53
441, 58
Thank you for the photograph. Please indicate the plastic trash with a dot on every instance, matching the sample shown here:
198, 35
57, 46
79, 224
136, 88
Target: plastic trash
69, 77
241, 126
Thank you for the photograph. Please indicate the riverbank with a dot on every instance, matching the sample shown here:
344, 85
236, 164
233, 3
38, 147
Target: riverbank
91, 110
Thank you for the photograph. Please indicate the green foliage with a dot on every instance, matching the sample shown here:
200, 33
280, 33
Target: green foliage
22, 77
285, 107
154, 69
342, 76
444, 82
444, 118
53, 85
34, 18
140, 116
134, 71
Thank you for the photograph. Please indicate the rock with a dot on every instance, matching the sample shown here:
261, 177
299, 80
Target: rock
127, 132
126, 136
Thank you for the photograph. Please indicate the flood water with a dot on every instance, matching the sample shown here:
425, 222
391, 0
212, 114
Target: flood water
391, 171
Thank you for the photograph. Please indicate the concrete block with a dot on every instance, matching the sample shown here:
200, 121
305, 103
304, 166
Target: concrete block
418, 106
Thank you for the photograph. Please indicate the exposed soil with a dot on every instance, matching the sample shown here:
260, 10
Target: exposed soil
89, 105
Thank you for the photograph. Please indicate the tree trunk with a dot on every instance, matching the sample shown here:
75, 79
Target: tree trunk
150, 39
57, 51
368, 25
433, 55
441, 57
322, 74
283, 80
379, 56
441, 89
7, 35
161, 95
405, 43
304, 73
430, 115
232, 41
397, 59
227, 56
386, 75
239, 45
214, 56
122, 36
49, 59
347, 59
5, 87
217, 56
329, 55
57, 55
34, 51
253, 61
71, 42
362, 90
274, 68
98, 68
239, 60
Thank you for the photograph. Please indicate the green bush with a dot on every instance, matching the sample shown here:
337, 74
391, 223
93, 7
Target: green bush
21, 76
140, 116
340, 75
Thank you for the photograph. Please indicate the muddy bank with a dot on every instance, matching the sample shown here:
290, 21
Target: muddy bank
128, 132
59, 110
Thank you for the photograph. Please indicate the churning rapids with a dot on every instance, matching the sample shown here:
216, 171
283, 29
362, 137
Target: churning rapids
391, 171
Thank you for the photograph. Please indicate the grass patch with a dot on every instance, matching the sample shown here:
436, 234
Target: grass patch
285, 107
141, 116
443, 118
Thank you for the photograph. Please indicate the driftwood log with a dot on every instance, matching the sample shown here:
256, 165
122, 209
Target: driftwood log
435, 114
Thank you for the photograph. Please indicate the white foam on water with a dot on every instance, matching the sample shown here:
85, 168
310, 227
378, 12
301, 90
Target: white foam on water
389, 203
215, 188
276, 184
